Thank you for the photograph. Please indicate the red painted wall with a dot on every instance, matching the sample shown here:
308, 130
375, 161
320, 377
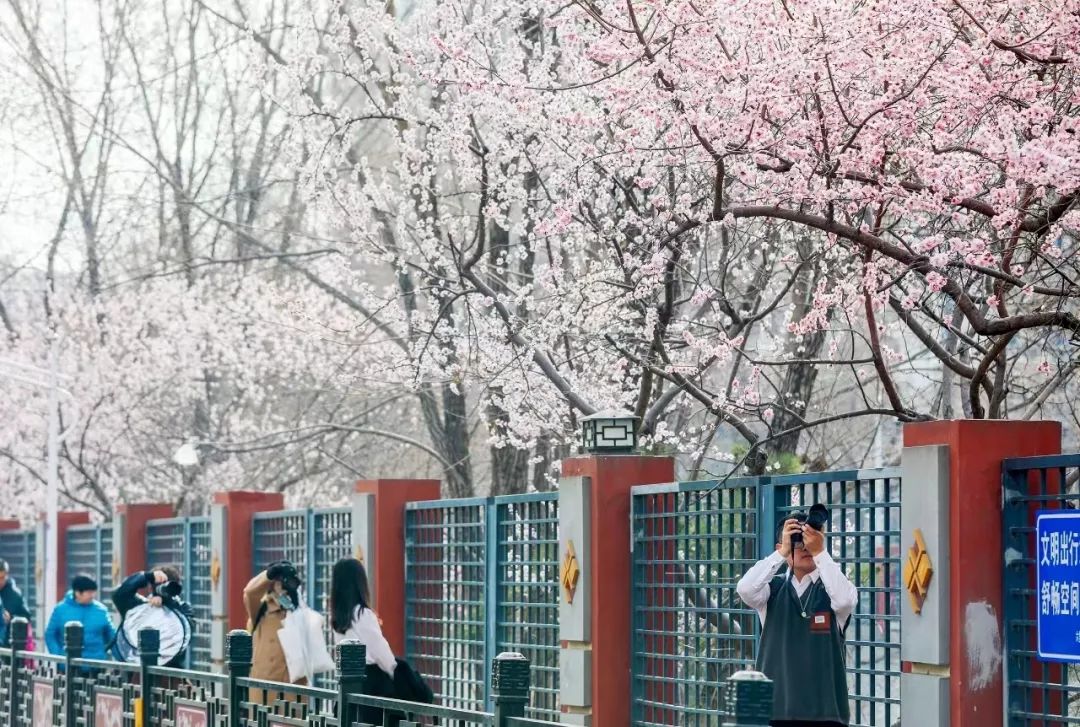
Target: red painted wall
389, 566
976, 449
136, 516
612, 477
9, 525
241, 504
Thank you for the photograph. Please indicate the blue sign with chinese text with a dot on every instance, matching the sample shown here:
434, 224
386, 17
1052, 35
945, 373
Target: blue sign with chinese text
1057, 585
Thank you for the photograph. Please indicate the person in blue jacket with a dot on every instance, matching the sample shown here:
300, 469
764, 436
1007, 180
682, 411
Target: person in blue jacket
81, 605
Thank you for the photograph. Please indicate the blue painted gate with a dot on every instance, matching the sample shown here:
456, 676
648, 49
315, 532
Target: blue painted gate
1037, 693
184, 542
692, 541
89, 551
481, 577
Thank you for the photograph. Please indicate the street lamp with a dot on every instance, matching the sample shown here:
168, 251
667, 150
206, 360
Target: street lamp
186, 455
55, 439
609, 432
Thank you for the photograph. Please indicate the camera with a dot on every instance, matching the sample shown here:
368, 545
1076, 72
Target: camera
816, 519
170, 589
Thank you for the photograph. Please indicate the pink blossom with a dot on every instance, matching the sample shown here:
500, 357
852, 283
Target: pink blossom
936, 281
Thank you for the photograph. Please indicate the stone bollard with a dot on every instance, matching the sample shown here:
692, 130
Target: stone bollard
509, 686
351, 660
238, 653
73, 649
748, 700
20, 632
149, 650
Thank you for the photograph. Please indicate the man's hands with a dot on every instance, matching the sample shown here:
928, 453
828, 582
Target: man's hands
790, 526
813, 540
155, 601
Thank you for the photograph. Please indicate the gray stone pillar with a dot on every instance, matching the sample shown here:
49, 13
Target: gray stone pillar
924, 617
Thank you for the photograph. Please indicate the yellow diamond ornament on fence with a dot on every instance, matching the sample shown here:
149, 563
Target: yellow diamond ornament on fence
918, 572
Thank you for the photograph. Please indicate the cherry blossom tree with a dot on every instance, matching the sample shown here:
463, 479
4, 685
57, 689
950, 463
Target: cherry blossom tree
694, 209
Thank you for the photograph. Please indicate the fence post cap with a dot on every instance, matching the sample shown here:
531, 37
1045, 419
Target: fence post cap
20, 629
149, 641
510, 676
748, 675
351, 658
748, 698
73, 634
238, 649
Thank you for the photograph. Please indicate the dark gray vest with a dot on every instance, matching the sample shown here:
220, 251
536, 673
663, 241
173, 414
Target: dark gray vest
807, 667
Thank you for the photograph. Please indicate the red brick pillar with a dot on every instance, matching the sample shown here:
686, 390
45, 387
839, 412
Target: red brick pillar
601, 645
379, 541
231, 557
975, 557
129, 536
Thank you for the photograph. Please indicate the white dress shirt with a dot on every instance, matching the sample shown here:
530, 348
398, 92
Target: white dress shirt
365, 629
753, 587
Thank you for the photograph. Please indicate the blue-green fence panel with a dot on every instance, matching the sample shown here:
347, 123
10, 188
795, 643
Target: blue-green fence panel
864, 507
280, 535
446, 568
482, 577
19, 549
1037, 693
527, 615
691, 544
312, 540
88, 550
184, 542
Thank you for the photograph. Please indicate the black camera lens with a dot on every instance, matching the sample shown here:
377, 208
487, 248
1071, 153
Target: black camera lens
818, 517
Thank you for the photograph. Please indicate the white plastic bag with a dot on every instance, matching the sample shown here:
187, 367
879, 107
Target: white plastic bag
302, 641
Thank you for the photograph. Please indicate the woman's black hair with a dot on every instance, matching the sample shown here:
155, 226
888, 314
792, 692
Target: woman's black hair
348, 591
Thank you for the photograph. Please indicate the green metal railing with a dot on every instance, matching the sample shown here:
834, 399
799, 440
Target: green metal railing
482, 578
185, 543
1037, 692
692, 542
41, 689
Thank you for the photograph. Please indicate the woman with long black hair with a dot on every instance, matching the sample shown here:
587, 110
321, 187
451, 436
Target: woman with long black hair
351, 617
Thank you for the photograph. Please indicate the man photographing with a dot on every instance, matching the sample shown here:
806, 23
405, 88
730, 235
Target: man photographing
804, 613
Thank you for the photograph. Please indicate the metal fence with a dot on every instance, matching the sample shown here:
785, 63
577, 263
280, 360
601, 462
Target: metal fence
185, 543
455, 622
1038, 693
312, 539
43, 689
88, 551
691, 544
19, 549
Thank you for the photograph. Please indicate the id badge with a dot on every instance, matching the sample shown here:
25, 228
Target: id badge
821, 622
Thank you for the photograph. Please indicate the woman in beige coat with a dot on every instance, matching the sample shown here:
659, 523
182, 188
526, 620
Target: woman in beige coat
268, 598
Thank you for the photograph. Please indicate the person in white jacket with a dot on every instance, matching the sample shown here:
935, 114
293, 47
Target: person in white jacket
351, 616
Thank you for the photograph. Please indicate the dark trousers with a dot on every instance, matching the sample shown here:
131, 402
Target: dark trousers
802, 723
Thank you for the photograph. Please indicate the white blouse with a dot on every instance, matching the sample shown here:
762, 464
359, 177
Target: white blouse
365, 629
